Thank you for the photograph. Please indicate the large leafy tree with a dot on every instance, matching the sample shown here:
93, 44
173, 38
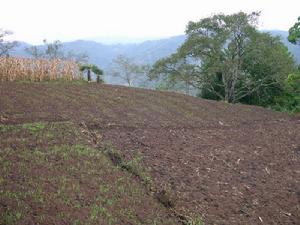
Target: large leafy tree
268, 63
229, 59
220, 42
294, 33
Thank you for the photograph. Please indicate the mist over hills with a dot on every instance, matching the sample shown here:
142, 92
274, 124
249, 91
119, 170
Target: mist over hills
102, 55
112, 40
146, 52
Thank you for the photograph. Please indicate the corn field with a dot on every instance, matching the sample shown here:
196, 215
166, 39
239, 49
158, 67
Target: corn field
17, 68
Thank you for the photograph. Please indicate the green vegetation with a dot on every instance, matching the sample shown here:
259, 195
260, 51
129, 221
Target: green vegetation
94, 69
45, 165
294, 33
64, 172
195, 221
34, 127
12, 217
289, 101
226, 58
133, 166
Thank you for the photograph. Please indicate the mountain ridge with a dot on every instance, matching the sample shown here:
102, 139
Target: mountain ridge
146, 52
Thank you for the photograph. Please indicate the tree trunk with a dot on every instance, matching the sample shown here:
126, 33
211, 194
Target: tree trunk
226, 87
89, 75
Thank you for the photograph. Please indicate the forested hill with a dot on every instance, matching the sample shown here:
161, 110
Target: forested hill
145, 53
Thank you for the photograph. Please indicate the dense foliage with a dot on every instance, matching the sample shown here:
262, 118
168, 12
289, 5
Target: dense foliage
226, 58
294, 33
290, 99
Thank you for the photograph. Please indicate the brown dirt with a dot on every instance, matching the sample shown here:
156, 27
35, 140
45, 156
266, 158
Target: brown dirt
231, 164
49, 175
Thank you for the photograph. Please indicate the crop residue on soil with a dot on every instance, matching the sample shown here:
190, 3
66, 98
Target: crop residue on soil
230, 164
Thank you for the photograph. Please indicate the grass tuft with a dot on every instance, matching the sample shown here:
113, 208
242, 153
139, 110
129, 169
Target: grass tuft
133, 166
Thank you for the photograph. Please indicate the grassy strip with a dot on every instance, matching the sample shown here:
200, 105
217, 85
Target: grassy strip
164, 196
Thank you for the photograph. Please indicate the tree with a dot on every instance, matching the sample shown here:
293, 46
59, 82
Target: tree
175, 73
34, 51
5, 46
294, 33
54, 50
219, 43
127, 70
268, 63
290, 99
222, 55
94, 69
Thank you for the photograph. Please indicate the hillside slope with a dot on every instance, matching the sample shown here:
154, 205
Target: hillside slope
229, 164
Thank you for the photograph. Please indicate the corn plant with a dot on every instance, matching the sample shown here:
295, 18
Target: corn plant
18, 68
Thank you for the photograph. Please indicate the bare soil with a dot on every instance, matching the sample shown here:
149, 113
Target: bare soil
229, 164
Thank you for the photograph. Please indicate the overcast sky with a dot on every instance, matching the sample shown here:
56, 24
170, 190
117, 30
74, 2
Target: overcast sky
34, 20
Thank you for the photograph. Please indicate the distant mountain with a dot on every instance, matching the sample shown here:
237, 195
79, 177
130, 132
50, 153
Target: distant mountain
146, 52
113, 40
19, 50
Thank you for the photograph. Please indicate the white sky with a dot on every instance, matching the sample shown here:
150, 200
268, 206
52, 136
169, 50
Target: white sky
34, 20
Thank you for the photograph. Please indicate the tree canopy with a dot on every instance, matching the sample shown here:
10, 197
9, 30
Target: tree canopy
294, 33
226, 58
